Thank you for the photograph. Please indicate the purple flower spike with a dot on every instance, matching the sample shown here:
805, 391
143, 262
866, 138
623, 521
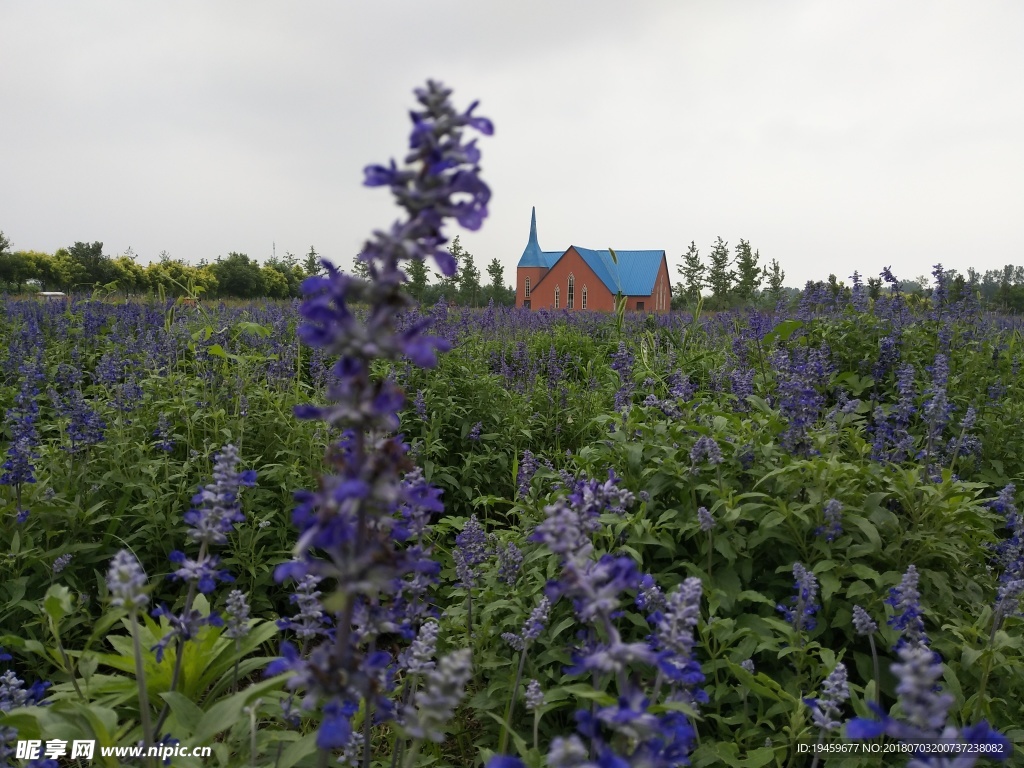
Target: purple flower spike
802, 605
906, 600
534, 696
362, 529
706, 520
237, 611
833, 514
126, 581
216, 509
925, 713
863, 622
534, 625
706, 449
827, 710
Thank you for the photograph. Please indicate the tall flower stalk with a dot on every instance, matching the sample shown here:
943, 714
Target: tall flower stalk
866, 627
351, 517
531, 631
214, 514
826, 711
127, 582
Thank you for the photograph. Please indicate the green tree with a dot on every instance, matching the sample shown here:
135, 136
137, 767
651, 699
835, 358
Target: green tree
15, 269
720, 277
67, 271
874, 288
311, 263
416, 272
360, 268
41, 268
130, 276
774, 274
834, 286
5, 244
449, 286
692, 271
496, 271
275, 284
97, 268
289, 270
501, 294
171, 275
469, 282
238, 276
748, 275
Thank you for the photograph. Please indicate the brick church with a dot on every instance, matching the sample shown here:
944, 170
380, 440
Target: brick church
582, 278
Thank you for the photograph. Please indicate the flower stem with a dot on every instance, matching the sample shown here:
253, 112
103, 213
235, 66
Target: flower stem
710, 552
988, 666
140, 680
874, 663
512, 703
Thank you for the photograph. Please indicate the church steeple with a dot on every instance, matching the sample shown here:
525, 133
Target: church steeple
532, 254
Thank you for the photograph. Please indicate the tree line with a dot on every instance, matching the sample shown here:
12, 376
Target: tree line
464, 287
734, 280
84, 267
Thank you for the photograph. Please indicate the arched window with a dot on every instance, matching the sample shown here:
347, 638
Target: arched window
583, 298
527, 291
556, 297
570, 293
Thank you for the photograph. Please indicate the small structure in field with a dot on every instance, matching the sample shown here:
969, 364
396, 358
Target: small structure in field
584, 278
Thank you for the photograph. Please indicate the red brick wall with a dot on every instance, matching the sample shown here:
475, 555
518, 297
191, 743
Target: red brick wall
535, 274
598, 297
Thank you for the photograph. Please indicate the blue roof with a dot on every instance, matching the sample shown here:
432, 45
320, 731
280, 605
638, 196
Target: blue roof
533, 256
633, 275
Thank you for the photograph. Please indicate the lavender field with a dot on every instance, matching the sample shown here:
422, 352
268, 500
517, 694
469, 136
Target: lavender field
349, 528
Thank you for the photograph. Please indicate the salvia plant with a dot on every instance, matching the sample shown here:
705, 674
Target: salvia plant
526, 539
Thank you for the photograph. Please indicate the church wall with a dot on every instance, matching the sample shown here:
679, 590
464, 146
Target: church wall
598, 296
535, 274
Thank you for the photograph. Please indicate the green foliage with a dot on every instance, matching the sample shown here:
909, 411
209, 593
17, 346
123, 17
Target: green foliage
748, 274
692, 270
774, 275
720, 278
417, 273
238, 275
237, 372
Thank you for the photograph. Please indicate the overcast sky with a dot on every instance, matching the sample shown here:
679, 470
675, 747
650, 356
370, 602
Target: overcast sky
832, 136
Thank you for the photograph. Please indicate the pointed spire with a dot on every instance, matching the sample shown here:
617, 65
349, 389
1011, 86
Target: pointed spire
532, 254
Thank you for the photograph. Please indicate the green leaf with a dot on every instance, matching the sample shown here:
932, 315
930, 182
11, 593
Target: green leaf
783, 331
829, 585
226, 712
868, 529
247, 326
716, 753
186, 713
579, 690
298, 750
749, 596
58, 603
519, 741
